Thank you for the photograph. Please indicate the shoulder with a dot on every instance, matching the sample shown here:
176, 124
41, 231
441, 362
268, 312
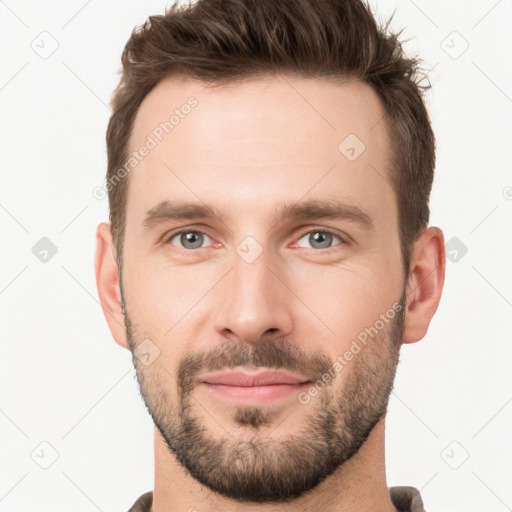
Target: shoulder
406, 498
143, 503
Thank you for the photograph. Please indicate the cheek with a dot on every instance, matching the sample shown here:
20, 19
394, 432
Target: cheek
347, 299
169, 304
151, 290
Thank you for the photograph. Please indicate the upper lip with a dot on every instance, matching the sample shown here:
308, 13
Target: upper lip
261, 378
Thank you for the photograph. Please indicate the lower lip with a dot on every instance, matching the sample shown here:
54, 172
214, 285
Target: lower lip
254, 394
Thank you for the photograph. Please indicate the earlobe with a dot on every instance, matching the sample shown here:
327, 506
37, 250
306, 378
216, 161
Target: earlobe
425, 283
107, 283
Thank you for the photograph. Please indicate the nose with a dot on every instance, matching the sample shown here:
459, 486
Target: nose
254, 301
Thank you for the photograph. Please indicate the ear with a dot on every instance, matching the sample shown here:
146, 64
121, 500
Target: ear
424, 284
107, 282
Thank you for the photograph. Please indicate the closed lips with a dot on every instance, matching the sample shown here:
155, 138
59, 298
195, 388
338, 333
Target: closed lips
267, 378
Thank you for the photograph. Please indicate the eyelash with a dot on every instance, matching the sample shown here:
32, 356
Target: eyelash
344, 241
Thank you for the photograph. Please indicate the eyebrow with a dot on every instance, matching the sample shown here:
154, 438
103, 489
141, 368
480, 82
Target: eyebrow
308, 210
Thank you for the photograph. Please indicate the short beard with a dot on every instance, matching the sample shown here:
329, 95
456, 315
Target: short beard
260, 468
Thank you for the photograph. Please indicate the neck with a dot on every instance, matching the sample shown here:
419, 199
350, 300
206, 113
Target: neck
358, 485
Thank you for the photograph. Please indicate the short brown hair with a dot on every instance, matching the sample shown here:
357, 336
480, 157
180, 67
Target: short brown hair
224, 41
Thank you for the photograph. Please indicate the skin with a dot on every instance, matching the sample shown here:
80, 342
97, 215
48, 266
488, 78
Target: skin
245, 149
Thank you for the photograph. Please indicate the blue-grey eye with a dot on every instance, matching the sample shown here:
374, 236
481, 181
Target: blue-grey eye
190, 239
319, 239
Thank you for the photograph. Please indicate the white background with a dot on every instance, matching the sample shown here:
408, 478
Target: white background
65, 382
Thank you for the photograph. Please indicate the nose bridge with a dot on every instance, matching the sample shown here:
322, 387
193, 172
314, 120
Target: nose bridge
252, 299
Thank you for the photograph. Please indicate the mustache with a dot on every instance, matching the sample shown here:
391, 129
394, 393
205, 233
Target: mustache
268, 353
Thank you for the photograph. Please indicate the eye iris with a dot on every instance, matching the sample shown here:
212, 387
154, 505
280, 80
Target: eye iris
196, 239
325, 239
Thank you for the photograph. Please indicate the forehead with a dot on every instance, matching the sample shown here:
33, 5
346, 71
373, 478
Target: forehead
252, 143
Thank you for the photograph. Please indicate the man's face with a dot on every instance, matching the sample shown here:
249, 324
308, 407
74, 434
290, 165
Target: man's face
256, 290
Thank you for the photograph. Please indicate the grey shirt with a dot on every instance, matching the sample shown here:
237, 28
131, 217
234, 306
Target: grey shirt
405, 499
